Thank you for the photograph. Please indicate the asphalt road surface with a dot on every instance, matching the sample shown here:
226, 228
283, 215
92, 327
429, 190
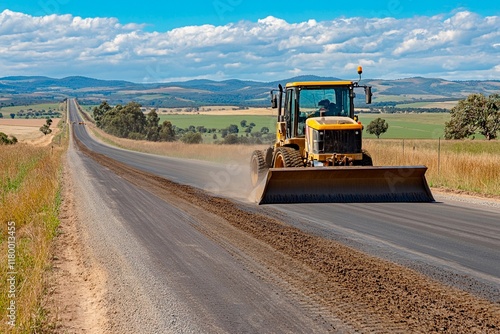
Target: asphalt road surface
455, 241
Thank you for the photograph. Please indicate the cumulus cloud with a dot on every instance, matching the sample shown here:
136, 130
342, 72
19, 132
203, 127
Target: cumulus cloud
461, 45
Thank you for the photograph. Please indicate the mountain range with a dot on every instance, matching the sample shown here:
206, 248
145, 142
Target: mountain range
229, 92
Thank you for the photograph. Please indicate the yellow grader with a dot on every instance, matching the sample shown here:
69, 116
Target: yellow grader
318, 156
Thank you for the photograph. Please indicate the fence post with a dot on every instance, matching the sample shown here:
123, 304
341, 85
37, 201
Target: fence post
439, 156
404, 159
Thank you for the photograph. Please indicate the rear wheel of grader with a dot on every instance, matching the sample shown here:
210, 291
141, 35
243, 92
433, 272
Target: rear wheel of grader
286, 157
258, 167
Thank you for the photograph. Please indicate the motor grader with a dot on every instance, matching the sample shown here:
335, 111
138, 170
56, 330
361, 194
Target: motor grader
318, 155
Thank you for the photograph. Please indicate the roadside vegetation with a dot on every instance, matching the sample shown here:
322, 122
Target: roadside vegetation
29, 203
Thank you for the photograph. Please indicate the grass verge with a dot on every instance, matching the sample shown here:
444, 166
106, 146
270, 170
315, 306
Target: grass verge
29, 207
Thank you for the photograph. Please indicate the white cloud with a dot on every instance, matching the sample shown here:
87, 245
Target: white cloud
460, 45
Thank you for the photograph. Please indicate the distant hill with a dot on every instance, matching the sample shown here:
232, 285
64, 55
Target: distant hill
15, 89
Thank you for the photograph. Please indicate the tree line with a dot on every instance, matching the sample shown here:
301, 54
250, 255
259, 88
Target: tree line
130, 122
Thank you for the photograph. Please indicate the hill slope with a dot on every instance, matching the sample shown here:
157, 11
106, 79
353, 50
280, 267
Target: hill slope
229, 92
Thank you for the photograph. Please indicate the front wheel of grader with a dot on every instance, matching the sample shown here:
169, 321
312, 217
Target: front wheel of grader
286, 157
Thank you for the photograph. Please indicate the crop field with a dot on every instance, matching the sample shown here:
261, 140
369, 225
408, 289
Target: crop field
6, 111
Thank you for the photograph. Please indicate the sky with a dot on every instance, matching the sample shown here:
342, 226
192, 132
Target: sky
150, 41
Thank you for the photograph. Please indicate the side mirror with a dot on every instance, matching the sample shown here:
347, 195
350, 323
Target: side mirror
368, 95
274, 101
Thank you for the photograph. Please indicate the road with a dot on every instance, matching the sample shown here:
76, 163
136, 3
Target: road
455, 242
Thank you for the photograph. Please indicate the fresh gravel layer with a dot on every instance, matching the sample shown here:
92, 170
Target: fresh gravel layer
131, 295
367, 293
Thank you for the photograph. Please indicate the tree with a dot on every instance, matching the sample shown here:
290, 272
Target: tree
5, 140
152, 127
233, 128
46, 127
264, 129
121, 120
231, 139
377, 127
192, 138
243, 123
12, 115
100, 111
167, 132
477, 113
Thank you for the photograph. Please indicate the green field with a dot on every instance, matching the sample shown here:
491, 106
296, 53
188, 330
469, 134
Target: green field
220, 122
411, 126
6, 111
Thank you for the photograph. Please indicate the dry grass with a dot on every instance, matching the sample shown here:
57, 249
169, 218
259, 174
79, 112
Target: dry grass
470, 166
29, 197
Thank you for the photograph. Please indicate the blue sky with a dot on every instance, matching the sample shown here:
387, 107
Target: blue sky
146, 41
166, 15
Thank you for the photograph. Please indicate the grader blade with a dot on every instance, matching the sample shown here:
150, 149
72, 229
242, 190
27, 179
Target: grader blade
346, 185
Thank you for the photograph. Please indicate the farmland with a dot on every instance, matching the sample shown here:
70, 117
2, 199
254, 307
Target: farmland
414, 126
42, 110
219, 121
410, 126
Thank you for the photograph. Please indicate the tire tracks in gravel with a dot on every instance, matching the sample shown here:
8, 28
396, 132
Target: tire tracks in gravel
367, 294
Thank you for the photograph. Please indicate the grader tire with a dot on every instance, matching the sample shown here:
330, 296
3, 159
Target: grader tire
367, 159
286, 157
258, 167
